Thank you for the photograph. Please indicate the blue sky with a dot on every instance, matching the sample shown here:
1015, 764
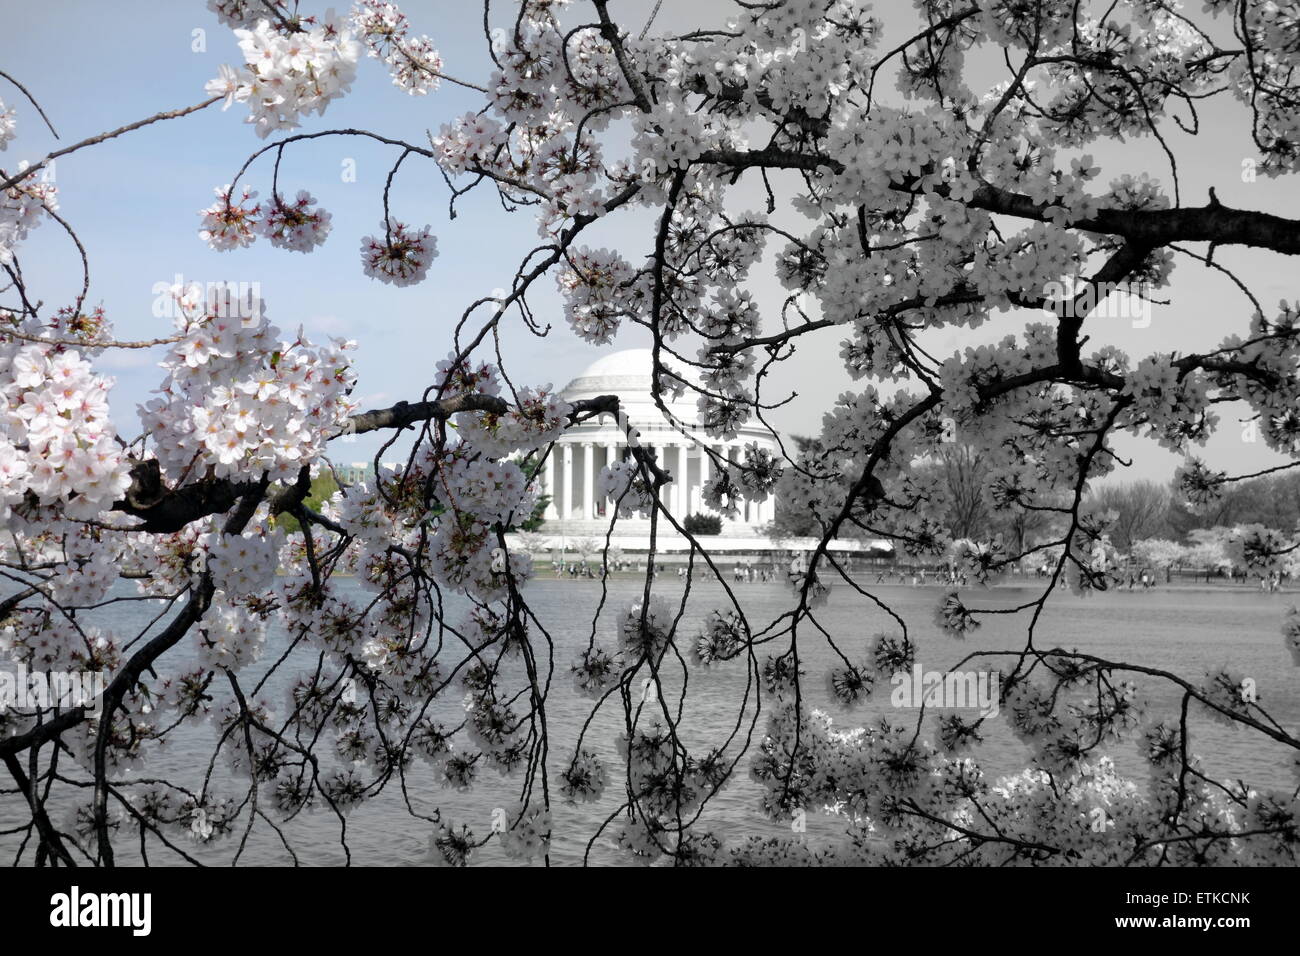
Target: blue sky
134, 203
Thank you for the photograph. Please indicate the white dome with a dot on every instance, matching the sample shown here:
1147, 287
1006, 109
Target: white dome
617, 364
627, 373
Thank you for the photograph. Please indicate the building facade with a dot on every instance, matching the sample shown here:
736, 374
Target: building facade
574, 465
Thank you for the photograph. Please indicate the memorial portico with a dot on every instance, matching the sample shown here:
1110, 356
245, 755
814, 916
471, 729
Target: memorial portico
571, 472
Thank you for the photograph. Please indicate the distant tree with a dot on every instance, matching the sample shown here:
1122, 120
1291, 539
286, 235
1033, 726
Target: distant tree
1140, 509
1021, 529
1208, 548
703, 524
533, 543
1281, 502
1159, 553
1233, 506
964, 473
1270, 500
790, 521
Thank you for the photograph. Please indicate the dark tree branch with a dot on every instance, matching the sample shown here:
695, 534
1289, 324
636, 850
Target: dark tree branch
1214, 222
165, 510
44, 827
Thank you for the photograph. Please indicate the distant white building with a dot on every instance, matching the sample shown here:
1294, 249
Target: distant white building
358, 471
354, 472
571, 470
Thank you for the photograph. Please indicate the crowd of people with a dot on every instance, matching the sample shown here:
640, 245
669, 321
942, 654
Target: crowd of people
949, 577
742, 572
751, 572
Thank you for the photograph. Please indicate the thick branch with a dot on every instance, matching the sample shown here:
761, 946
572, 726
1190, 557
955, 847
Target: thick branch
1214, 223
39, 816
165, 510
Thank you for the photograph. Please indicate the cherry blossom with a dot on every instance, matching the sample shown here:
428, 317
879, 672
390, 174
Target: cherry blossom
8, 125
295, 226
230, 223
21, 208
288, 74
401, 256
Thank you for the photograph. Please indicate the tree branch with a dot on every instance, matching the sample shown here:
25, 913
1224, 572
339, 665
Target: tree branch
1214, 223
165, 510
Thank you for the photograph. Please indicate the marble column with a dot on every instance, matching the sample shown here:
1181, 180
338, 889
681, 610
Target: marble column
588, 480
681, 474
729, 454
611, 456
548, 484
566, 484
661, 459
705, 475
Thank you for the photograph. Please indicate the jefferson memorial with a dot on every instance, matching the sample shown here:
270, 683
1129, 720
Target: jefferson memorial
579, 455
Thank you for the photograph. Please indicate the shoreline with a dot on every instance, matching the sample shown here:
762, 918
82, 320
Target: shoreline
545, 570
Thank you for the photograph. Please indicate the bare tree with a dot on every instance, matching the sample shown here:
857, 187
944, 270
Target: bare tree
1135, 510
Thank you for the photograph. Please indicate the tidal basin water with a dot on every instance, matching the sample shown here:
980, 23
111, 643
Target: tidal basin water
1186, 631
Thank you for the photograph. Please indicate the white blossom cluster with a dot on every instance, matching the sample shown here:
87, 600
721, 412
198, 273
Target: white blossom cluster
401, 256
21, 209
288, 74
535, 418
597, 287
233, 222
244, 13
623, 485
242, 564
238, 399
492, 490
383, 28
8, 125
57, 440
229, 635
298, 226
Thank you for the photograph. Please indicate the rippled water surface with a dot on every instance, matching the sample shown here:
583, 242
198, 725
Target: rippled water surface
1185, 631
